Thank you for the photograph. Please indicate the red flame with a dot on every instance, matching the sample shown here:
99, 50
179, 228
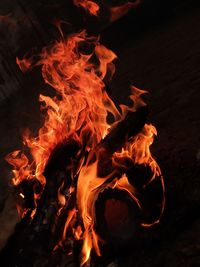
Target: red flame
79, 110
88, 5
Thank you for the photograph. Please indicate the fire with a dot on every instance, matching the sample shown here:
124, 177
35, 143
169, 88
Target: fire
119, 11
79, 111
115, 11
89, 6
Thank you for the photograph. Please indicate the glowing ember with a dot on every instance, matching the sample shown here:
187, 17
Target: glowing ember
79, 111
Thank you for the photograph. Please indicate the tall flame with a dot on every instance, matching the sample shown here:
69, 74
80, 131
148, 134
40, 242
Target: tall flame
79, 110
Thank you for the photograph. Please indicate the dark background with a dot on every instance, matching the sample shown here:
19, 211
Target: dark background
158, 48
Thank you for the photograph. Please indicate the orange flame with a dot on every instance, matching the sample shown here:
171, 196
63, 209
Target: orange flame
79, 110
89, 6
90, 185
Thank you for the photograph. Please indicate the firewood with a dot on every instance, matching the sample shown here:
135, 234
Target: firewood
36, 238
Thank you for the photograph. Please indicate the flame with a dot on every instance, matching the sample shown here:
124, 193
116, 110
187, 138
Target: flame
79, 111
68, 221
90, 185
119, 11
8, 20
22, 195
138, 150
88, 190
22, 169
90, 6
115, 11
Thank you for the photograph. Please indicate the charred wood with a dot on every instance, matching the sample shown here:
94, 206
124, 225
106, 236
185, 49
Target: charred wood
35, 238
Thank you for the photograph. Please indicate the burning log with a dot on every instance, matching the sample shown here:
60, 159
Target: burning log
43, 232
117, 218
113, 142
78, 155
124, 130
35, 239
